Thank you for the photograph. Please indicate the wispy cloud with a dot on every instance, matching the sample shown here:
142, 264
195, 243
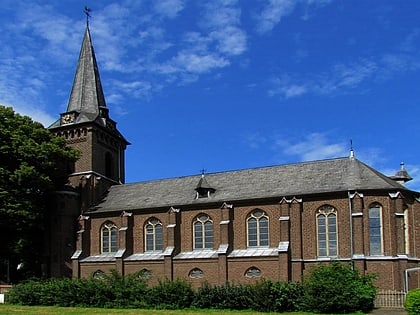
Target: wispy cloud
345, 77
169, 8
273, 11
315, 146
49, 40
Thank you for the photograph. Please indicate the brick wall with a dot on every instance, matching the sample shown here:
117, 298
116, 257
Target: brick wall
293, 221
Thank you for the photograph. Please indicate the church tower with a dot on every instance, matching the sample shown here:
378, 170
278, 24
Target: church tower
87, 127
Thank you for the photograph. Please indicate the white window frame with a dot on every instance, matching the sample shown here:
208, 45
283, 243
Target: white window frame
153, 223
327, 211
381, 232
111, 228
203, 219
258, 215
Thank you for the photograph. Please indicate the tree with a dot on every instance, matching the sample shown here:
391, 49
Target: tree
33, 162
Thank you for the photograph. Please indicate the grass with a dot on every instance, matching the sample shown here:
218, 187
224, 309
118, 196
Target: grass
46, 310
53, 310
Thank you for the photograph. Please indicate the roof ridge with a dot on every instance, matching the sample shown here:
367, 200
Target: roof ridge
238, 170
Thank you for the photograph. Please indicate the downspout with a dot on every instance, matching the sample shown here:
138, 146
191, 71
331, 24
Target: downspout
406, 271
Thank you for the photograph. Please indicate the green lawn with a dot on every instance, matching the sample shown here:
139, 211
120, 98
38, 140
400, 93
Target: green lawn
52, 310
46, 310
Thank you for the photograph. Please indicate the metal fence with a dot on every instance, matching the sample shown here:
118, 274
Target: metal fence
390, 299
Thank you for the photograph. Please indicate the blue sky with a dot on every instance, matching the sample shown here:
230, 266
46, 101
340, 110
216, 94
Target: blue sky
223, 84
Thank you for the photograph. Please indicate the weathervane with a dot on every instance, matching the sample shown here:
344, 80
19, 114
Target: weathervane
87, 11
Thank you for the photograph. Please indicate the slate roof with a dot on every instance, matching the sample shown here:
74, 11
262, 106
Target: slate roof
333, 175
87, 101
87, 96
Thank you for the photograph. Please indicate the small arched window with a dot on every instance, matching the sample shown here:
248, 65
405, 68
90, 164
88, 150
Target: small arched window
257, 228
203, 232
253, 272
153, 231
375, 229
98, 275
109, 239
326, 220
145, 274
196, 273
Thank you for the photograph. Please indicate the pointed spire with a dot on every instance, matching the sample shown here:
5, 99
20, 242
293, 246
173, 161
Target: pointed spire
87, 97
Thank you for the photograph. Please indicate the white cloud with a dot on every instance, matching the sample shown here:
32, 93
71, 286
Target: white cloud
353, 74
195, 63
342, 77
284, 87
231, 40
255, 140
273, 12
314, 146
169, 8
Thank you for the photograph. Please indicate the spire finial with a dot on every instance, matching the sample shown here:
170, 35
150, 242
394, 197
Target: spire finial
87, 11
351, 149
203, 171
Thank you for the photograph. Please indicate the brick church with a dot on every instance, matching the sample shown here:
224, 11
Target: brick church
235, 226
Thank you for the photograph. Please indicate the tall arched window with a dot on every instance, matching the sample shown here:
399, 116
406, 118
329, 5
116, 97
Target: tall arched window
375, 229
326, 219
153, 231
203, 232
109, 238
257, 228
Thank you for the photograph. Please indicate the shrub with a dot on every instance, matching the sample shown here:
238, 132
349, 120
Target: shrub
177, 294
25, 293
337, 288
272, 296
412, 302
235, 297
125, 291
112, 291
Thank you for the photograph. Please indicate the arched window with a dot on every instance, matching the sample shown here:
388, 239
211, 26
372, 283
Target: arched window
253, 272
153, 231
145, 274
203, 232
98, 275
109, 238
196, 273
257, 228
326, 219
375, 229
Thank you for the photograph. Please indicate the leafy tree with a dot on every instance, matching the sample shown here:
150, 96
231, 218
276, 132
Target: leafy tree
32, 163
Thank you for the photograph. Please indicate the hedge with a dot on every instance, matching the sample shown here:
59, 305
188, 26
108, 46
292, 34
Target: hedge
328, 288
